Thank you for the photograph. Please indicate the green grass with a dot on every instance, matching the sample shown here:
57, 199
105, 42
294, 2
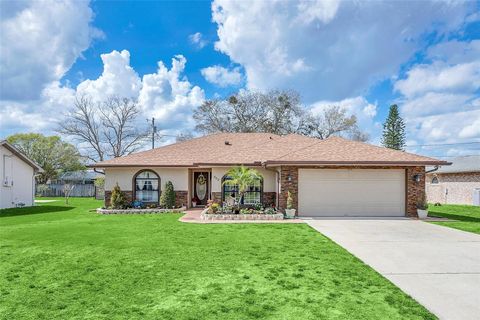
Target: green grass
63, 262
468, 217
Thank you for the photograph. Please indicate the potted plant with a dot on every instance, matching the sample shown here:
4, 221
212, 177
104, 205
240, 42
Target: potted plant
422, 207
290, 211
195, 200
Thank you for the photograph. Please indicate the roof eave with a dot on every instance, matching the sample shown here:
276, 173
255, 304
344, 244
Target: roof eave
360, 163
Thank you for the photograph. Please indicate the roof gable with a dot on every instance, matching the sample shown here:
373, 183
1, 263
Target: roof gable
7, 145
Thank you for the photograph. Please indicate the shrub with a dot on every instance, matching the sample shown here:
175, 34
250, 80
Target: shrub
289, 200
167, 199
422, 203
117, 201
270, 211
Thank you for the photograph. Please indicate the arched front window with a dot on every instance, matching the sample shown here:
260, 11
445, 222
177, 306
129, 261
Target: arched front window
147, 186
252, 196
434, 180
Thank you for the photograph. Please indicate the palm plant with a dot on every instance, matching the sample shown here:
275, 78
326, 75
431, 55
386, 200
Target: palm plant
243, 178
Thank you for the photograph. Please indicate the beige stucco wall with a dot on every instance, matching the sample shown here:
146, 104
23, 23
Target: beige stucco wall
124, 176
453, 188
22, 176
268, 179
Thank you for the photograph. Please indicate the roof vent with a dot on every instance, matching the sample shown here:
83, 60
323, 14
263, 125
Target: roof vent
227, 143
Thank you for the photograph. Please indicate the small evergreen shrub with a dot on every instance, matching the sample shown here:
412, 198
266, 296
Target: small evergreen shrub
289, 200
167, 199
117, 201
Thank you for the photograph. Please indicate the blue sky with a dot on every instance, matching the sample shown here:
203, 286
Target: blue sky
422, 55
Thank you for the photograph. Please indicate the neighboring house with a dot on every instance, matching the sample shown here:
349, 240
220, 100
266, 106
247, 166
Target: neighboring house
17, 187
82, 180
332, 177
456, 184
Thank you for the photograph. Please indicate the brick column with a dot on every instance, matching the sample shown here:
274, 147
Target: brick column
181, 198
286, 185
414, 189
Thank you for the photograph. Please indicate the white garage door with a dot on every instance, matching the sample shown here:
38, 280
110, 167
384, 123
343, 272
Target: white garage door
351, 192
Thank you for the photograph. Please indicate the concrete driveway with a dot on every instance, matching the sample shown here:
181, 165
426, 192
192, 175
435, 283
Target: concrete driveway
437, 266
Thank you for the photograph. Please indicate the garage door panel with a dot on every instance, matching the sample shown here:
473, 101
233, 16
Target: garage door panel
355, 192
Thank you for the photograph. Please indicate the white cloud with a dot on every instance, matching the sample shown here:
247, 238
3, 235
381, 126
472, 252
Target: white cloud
118, 78
197, 40
440, 101
170, 97
40, 42
328, 49
221, 76
166, 95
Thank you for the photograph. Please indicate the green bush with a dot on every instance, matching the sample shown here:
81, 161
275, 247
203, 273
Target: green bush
117, 201
289, 200
167, 199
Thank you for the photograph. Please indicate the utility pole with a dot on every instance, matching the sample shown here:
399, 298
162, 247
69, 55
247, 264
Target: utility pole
154, 131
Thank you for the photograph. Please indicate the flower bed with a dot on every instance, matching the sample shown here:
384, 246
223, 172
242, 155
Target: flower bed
140, 211
241, 216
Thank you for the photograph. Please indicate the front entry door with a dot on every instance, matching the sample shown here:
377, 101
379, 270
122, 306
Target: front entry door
200, 186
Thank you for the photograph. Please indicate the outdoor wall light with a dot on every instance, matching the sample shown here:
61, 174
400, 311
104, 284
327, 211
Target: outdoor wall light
417, 177
289, 178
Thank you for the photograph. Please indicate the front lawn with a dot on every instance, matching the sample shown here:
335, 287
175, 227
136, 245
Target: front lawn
468, 217
63, 262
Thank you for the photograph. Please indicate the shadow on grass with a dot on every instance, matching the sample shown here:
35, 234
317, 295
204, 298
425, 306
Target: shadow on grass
13, 212
457, 217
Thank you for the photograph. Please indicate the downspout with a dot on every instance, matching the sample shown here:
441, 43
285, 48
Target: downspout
277, 183
433, 170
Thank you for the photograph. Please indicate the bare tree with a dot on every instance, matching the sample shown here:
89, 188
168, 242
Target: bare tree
278, 112
107, 129
184, 136
332, 121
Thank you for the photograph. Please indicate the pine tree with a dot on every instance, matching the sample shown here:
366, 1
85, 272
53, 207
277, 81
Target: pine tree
394, 130
167, 199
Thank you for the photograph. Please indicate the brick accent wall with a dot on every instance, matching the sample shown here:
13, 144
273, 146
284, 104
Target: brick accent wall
108, 195
269, 199
413, 192
286, 185
181, 198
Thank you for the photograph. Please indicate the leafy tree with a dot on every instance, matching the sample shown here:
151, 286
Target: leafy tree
50, 152
167, 199
394, 130
277, 112
117, 200
243, 178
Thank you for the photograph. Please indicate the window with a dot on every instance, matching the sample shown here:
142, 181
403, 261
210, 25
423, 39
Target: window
434, 180
252, 196
147, 186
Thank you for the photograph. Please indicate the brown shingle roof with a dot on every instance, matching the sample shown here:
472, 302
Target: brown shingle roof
265, 148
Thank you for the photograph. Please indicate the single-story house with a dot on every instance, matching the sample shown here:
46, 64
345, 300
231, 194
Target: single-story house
331, 177
456, 184
18, 177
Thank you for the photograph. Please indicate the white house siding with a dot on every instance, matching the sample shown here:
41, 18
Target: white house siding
124, 177
19, 177
453, 188
269, 184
